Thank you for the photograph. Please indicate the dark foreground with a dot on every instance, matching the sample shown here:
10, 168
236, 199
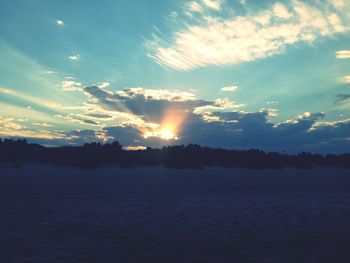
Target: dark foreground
57, 214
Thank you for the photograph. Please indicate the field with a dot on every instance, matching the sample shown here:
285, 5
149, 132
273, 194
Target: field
111, 214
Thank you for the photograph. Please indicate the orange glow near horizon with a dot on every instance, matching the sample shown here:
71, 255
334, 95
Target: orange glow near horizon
169, 127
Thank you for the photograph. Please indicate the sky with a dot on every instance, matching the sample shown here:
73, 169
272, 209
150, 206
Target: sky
272, 75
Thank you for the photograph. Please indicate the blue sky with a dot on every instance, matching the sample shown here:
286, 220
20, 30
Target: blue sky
168, 72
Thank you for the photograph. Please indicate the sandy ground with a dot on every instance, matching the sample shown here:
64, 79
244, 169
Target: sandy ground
62, 214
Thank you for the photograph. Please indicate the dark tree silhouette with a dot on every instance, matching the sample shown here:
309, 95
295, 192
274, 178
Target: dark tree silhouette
179, 156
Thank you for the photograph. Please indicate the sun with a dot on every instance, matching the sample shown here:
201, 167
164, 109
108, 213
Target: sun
169, 127
167, 133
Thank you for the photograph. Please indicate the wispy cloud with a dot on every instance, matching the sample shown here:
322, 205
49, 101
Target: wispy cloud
79, 119
213, 4
194, 6
346, 79
74, 57
225, 41
49, 72
229, 88
8, 123
71, 85
201, 6
5, 90
10, 128
342, 54
41, 124
59, 22
271, 102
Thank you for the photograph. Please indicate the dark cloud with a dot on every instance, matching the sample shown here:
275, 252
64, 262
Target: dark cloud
216, 123
142, 102
91, 122
99, 116
252, 130
82, 119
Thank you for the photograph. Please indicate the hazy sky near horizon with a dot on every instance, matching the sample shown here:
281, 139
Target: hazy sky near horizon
223, 73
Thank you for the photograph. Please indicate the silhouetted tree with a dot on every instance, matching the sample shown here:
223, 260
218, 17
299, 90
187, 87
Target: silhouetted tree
179, 156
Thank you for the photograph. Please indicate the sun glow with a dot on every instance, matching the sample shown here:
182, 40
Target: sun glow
167, 134
169, 127
164, 133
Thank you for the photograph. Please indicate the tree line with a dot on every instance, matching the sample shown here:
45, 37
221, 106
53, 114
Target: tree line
180, 156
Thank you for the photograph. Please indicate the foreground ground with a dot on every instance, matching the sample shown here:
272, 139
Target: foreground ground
56, 214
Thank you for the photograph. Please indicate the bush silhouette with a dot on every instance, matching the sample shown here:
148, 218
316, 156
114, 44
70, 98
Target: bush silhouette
179, 156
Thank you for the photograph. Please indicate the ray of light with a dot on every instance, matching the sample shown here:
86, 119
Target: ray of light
170, 126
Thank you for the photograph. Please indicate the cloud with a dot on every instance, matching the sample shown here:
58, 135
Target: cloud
213, 4
79, 118
271, 112
304, 122
339, 3
281, 11
202, 6
215, 123
74, 137
173, 14
59, 22
271, 102
342, 54
194, 7
10, 128
5, 90
238, 130
157, 117
255, 35
343, 98
224, 104
229, 88
85, 136
41, 124
157, 94
149, 112
74, 57
8, 123
49, 72
254, 130
71, 85
103, 85
99, 116
138, 101
134, 148
346, 79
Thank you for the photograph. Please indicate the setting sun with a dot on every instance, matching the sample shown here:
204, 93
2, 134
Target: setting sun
169, 127
167, 134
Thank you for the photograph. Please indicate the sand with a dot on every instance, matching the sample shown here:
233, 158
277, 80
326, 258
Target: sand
145, 214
